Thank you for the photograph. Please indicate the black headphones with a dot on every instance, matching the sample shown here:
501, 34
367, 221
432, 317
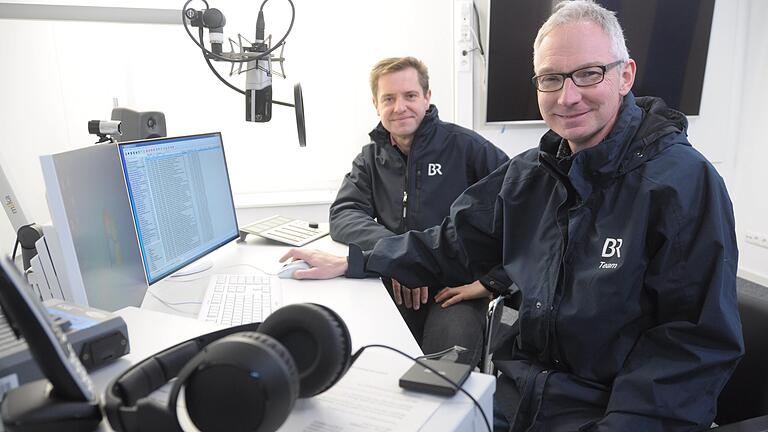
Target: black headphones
236, 379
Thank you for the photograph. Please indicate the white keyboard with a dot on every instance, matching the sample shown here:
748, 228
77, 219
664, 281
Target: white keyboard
294, 232
234, 299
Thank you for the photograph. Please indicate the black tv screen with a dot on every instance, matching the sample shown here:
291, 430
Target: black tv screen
668, 39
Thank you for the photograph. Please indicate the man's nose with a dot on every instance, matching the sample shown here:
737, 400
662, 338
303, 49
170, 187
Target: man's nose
569, 94
399, 105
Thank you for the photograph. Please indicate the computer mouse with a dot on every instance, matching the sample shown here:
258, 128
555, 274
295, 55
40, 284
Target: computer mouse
290, 267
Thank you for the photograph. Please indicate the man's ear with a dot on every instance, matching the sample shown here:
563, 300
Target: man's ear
627, 76
375, 104
428, 96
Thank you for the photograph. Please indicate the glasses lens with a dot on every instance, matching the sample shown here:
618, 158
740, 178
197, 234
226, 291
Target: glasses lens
549, 82
588, 76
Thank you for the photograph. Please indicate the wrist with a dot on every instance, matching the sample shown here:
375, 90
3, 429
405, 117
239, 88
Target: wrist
343, 265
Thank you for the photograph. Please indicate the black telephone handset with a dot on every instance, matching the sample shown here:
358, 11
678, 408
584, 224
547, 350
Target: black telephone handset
66, 400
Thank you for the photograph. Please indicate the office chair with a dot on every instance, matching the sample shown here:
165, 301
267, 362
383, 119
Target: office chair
495, 331
743, 403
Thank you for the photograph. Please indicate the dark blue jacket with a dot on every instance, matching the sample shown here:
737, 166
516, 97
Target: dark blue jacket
627, 267
386, 194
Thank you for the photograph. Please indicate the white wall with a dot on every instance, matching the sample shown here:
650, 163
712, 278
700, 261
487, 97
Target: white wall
58, 74
750, 176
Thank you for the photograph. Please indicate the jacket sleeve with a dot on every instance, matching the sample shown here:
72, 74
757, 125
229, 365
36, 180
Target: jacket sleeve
465, 246
488, 159
497, 281
352, 214
673, 376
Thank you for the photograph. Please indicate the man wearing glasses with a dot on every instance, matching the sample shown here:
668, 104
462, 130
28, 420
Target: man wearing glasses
620, 237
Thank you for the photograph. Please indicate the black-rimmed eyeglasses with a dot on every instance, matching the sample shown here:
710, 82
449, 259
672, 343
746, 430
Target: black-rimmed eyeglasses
583, 77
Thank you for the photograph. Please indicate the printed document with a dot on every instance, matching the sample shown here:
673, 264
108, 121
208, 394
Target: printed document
366, 399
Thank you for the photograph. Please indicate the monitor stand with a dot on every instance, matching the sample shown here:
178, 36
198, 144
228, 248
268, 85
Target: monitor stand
198, 266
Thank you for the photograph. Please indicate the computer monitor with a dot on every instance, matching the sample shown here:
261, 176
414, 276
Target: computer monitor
180, 198
89, 254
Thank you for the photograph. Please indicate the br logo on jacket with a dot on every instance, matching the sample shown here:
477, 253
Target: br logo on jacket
434, 169
611, 248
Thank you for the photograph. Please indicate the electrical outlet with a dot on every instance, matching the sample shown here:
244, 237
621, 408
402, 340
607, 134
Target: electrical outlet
757, 239
465, 21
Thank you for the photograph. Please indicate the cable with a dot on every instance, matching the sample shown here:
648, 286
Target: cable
175, 279
482, 56
171, 305
477, 39
216, 56
438, 354
215, 72
260, 270
477, 22
426, 366
213, 69
251, 266
15, 248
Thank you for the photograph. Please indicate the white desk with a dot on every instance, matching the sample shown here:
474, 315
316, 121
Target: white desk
363, 304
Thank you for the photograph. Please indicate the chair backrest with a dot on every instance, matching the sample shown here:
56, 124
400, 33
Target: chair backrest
746, 394
496, 333
493, 319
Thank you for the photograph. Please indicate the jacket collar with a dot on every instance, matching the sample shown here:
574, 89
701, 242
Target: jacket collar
380, 135
633, 140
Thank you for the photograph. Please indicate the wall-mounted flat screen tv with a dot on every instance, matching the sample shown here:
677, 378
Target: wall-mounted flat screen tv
668, 39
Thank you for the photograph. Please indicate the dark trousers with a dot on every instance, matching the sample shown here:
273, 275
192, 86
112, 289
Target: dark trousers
436, 328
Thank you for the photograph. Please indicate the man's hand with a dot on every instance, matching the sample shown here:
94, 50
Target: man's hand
451, 296
414, 297
323, 265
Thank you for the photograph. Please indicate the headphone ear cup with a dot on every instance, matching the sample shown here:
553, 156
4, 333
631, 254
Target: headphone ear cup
318, 340
243, 382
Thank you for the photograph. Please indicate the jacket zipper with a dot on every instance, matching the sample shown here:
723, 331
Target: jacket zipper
417, 198
405, 190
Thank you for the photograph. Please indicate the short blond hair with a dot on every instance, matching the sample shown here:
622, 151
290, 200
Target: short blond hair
395, 64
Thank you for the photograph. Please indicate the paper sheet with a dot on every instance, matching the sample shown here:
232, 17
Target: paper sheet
367, 399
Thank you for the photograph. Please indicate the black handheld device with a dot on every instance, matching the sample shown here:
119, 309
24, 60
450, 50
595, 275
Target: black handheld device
420, 379
65, 400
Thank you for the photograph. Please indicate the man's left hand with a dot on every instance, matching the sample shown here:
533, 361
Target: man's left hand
451, 296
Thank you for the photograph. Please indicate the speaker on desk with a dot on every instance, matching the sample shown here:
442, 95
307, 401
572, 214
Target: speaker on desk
135, 125
236, 379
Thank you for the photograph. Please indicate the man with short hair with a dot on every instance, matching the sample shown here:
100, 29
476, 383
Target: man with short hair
620, 237
406, 179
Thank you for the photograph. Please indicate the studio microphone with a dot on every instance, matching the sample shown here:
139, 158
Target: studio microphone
258, 80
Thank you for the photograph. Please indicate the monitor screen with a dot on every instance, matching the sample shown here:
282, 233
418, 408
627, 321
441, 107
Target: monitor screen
668, 39
180, 198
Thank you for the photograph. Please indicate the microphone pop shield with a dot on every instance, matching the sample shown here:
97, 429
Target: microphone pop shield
298, 104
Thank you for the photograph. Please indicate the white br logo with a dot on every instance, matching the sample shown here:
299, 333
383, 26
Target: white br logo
612, 247
434, 169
